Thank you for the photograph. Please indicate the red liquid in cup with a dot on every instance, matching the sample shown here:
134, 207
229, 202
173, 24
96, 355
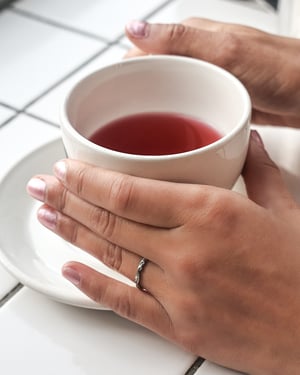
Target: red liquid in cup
155, 134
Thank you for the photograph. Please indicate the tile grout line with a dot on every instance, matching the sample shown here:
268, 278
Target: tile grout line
152, 13
3, 124
159, 8
29, 114
68, 75
8, 106
77, 31
149, 15
12, 117
48, 21
11, 294
42, 119
195, 366
5, 4
116, 41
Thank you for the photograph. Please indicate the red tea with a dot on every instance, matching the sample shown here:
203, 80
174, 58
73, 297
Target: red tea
155, 134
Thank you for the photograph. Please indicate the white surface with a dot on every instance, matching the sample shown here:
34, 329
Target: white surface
283, 145
209, 368
289, 19
22, 135
5, 114
36, 255
103, 18
41, 336
16, 139
48, 106
39, 55
7, 282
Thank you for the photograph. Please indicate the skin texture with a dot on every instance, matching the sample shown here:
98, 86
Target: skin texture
223, 272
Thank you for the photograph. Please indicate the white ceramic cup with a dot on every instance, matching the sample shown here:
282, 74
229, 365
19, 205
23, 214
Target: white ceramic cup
169, 84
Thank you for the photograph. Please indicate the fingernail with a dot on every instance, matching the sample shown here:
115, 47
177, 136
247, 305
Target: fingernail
47, 217
138, 29
257, 138
72, 275
60, 170
36, 188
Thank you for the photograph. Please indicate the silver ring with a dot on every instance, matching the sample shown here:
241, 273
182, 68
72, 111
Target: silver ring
138, 274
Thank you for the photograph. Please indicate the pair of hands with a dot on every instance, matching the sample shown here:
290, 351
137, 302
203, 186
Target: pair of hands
223, 270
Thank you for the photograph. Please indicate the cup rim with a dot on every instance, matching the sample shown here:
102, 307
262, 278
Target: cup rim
243, 121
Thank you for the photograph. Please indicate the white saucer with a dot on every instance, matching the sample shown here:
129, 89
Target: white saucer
30, 252
34, 255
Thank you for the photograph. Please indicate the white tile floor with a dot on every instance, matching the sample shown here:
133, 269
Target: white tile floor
209, 368
49, 45
39, 55
7, 282
21, 136
104, 19
16, 140
49, 105
5, 114
58, 339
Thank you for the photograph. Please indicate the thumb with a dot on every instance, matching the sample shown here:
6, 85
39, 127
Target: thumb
176, 39
262, 177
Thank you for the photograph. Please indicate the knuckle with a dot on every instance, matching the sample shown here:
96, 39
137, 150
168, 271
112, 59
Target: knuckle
218, 208
118, 300
224, 215
220, 215
190, 268
228, 48
175, 32
121, 193
103, 221
74, 234
90, 287
186, 266
212, 205
123, 306
62, 199
71, 231
80, 181
113, 257
217, 205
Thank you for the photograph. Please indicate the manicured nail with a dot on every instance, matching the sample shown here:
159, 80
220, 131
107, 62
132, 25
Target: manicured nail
36, 188
71, 275
47, 217
257, 138
60, 170
138, 29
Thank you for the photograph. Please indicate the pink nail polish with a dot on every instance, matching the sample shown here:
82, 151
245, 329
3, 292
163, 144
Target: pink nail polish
36, 188
71, 274
60, 170
47, 217
138, 29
